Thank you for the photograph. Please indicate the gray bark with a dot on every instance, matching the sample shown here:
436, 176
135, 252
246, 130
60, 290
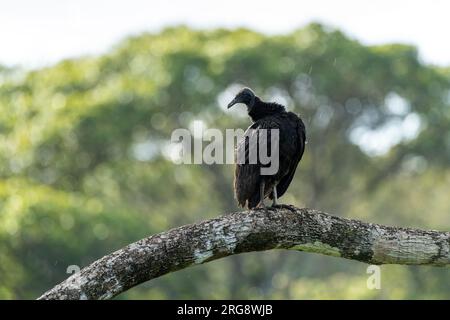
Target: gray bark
256, 230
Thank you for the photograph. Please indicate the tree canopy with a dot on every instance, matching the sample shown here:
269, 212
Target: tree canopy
85, 160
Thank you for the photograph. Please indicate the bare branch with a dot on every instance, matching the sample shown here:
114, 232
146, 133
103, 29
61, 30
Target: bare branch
256, 230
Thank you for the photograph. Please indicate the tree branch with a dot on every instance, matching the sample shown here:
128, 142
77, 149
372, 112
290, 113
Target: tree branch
284, 228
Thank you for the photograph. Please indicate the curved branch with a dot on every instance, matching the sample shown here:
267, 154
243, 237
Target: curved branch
282, 228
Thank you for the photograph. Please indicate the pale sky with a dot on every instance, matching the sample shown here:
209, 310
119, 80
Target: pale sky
35, 33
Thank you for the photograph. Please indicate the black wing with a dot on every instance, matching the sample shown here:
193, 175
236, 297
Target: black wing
299, 150
247, 176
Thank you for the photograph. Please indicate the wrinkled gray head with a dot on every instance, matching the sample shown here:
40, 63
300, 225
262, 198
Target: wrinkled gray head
245, 96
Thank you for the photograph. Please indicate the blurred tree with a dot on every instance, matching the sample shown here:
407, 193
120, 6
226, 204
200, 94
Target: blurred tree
85, 163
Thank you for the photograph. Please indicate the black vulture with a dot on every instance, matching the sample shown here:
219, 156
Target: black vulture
250, 186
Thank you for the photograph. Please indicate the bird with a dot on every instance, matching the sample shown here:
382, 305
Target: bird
250, 186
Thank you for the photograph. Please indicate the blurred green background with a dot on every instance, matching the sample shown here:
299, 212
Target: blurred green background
86, 162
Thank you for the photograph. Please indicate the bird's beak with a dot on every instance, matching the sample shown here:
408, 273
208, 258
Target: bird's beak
232, 103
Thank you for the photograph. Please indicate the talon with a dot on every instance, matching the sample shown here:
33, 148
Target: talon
286, 206
261, 206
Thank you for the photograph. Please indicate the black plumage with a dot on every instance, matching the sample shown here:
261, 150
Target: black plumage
250, 186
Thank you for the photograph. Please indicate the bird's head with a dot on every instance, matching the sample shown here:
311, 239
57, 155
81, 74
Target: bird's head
245, 96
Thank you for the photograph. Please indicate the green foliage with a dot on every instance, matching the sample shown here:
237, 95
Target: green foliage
84, 165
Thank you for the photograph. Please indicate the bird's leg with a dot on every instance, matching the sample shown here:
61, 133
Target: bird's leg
281, 206
261, 196
275, 197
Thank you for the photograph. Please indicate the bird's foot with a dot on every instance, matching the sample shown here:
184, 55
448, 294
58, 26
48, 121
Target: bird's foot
262, 206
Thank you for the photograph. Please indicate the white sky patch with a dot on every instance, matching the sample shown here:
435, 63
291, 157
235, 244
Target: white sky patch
197, 127
173, 152
378, 142
38, 33
225, 97
396, 104
280, 96
145, 151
